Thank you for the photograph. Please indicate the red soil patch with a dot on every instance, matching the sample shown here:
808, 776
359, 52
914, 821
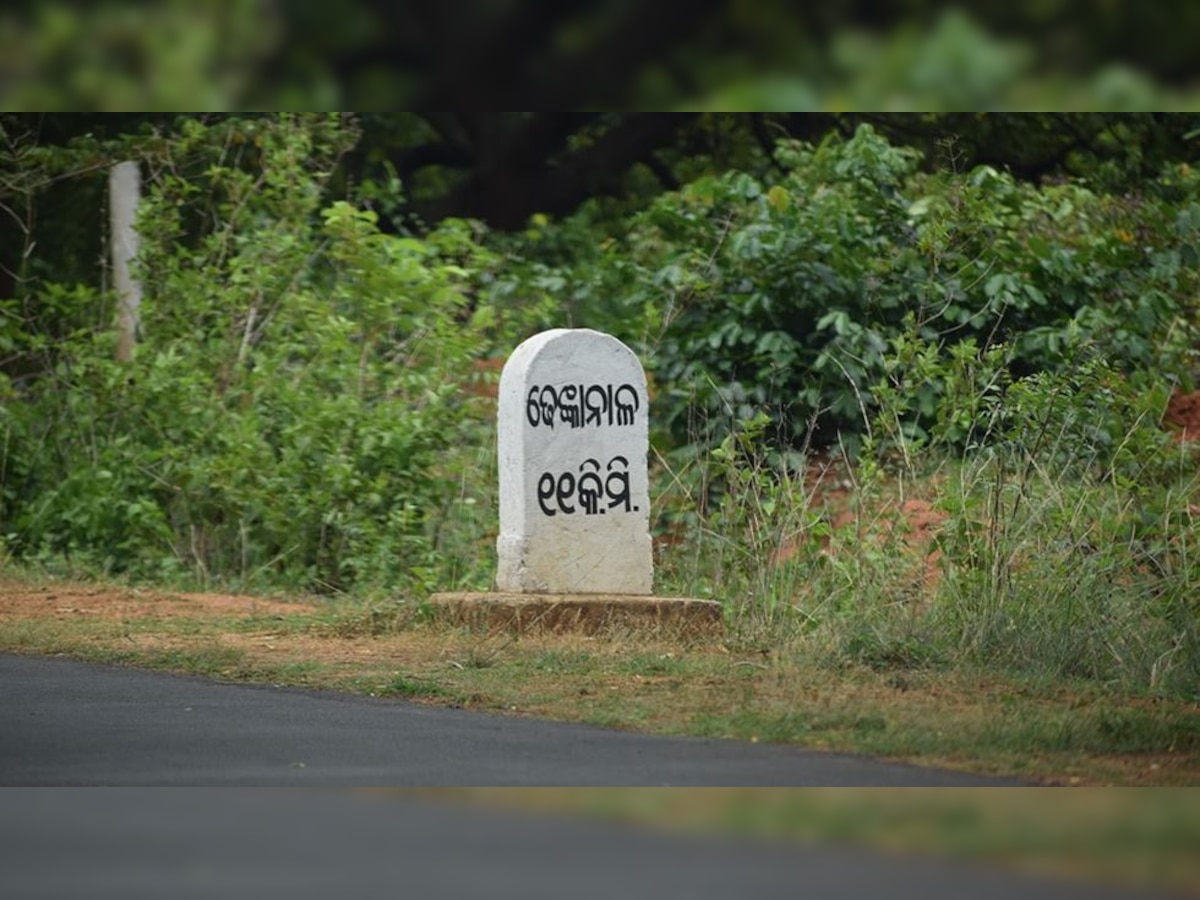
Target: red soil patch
915, 521
1183, 415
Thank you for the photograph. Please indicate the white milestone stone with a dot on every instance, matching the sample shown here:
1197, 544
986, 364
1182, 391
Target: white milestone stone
573, 444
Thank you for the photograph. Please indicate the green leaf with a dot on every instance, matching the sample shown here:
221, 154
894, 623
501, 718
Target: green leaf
919, 207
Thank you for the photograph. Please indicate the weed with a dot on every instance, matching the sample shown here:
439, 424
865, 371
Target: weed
563, 661
1064, 545
372, 618
412, 687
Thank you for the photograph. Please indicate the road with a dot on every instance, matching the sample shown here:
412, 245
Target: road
129, 844
74, 723
70, 723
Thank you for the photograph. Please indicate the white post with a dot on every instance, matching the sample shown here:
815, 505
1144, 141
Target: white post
124, 189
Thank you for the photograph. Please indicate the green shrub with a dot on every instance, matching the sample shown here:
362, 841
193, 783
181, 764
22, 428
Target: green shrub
291, 406
785, 295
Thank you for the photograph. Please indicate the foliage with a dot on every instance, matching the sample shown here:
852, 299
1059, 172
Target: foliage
1063, 546
912, 54
287, 415
123, 56
785, 295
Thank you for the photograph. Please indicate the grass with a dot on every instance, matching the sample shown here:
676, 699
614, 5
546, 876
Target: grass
1005, 560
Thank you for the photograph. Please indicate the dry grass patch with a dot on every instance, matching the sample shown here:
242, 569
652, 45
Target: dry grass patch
19, 600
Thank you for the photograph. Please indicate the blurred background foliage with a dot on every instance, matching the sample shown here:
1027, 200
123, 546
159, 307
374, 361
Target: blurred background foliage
726, 54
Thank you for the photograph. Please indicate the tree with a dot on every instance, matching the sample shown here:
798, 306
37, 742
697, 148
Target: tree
597, 54
504, 167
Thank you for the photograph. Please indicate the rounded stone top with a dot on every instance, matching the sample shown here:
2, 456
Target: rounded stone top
568, 342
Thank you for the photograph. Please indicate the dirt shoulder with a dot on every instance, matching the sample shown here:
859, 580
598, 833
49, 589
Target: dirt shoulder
68, 601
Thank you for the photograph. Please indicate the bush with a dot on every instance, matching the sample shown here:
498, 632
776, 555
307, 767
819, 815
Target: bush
785, 295
1062, 546
289, 412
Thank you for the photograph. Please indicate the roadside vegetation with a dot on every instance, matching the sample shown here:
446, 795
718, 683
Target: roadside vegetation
908, 427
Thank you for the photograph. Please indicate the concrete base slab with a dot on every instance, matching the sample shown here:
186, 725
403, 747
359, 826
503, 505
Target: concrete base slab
583, 613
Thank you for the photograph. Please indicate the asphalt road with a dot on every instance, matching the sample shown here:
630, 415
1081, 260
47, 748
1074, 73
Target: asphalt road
132, 843
70, 723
